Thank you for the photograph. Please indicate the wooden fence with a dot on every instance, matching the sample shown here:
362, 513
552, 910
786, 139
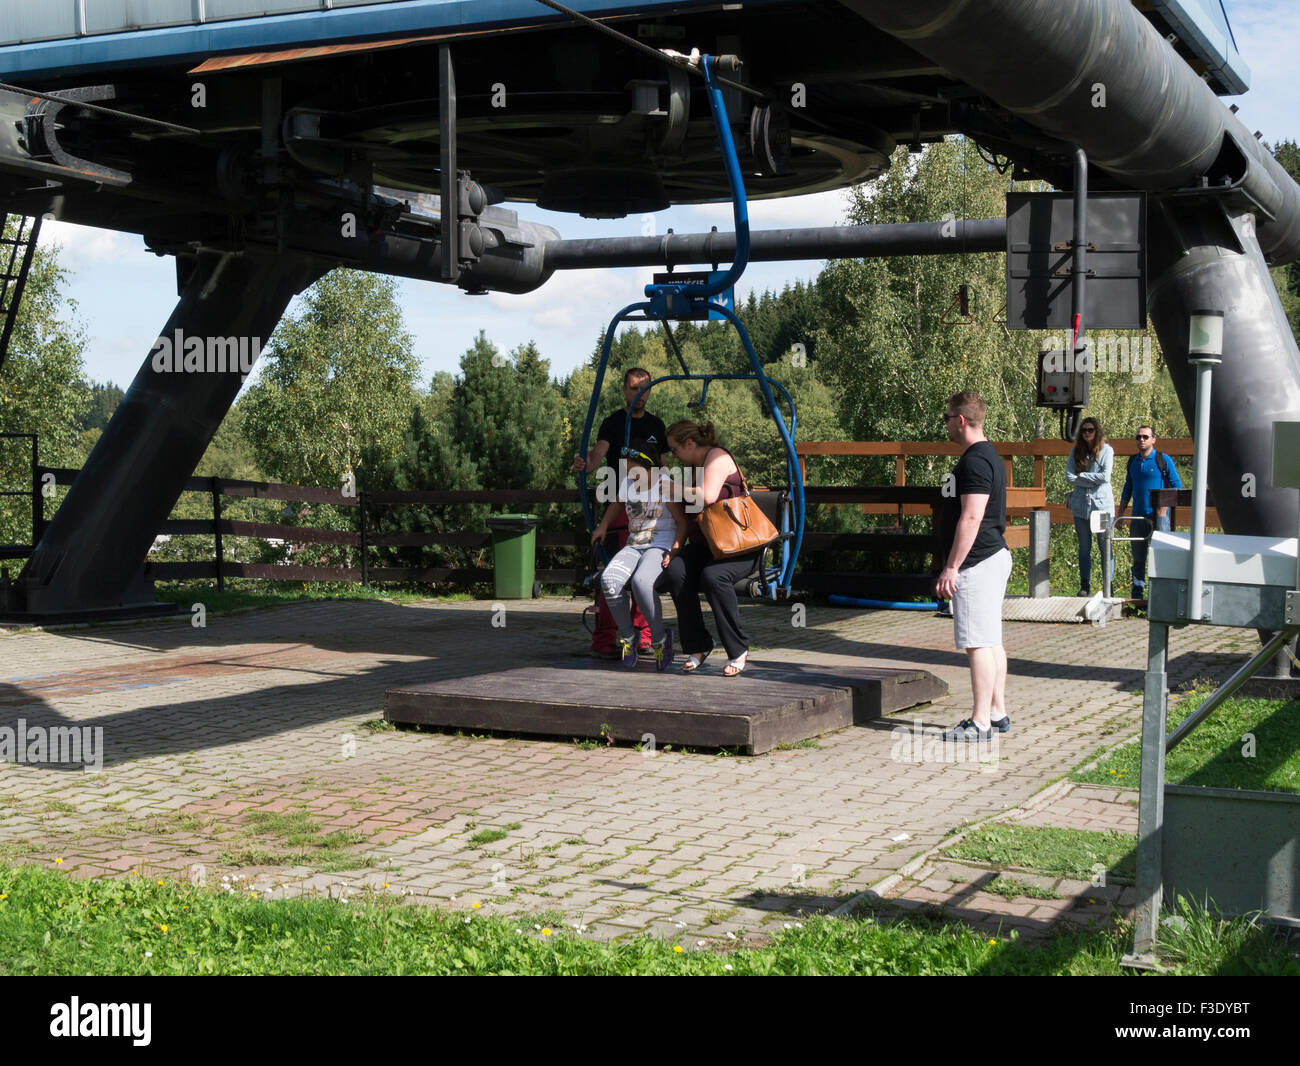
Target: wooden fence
1020, 499
900, 499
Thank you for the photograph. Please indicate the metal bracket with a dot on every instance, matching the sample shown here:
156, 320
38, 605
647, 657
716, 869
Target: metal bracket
1292, 616
1207, 603
40, 126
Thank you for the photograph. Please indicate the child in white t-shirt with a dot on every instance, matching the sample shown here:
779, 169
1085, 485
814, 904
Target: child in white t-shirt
656, 529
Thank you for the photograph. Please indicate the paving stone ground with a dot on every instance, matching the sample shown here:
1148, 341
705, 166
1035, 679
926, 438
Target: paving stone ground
220, 742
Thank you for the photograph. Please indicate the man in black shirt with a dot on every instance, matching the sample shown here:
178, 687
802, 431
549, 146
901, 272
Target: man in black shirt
977, 564
609, 442
612, 431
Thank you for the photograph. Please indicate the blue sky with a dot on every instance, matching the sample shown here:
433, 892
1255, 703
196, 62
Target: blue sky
124, 293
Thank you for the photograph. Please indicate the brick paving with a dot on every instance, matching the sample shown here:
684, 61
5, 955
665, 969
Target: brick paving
221, 743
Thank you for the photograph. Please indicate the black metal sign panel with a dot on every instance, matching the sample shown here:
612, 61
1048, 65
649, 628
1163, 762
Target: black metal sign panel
1040, 227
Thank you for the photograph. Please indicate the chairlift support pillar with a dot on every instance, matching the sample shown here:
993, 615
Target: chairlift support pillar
90, 559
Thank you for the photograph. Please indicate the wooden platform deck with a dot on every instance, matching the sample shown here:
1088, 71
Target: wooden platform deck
770, 704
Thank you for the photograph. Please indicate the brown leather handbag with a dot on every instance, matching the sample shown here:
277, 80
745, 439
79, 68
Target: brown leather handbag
736, 525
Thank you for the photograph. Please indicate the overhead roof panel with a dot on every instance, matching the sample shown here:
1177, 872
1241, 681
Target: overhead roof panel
1202, 27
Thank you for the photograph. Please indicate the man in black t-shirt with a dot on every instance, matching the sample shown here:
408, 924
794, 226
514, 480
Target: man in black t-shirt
976, 564
612, 431
609, 442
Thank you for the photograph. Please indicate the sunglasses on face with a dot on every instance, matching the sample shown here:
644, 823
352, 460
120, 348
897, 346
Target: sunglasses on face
1087, 429
1144, 436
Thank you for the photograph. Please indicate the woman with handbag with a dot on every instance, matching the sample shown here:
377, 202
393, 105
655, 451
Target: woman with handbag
698, 566
1088, 470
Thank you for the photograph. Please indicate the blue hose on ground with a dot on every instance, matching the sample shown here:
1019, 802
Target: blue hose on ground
891, 605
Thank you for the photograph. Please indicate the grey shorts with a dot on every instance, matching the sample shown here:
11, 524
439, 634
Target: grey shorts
977, 603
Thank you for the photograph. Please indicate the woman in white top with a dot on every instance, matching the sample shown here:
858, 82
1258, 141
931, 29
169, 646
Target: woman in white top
656, 531
1088, 470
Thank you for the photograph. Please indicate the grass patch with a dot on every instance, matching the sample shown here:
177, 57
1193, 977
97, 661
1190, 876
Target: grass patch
300, 844
486, 836
807, 742
1014, 888
1074, 853
53, 924
261, 593
1214, 754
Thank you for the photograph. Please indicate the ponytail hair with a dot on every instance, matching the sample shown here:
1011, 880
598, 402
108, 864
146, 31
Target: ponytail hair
704, 435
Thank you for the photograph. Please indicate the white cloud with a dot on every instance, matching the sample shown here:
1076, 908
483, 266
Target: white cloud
83, 246
556, 318
790, 212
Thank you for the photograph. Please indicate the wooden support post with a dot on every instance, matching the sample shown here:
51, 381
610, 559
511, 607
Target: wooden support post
365, 569
216, 526
900, 478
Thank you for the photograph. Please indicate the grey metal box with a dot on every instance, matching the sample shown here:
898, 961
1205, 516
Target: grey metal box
1236, 849
1040, 226
1245, 579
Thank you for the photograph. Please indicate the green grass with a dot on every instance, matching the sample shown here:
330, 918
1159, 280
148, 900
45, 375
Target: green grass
487, 836
1214, 754
53, 924
296, 841
1014, 888
1072, 853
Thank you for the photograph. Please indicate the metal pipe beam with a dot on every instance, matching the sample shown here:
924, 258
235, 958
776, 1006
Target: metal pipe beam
767, 246
1096, 74
1199, 258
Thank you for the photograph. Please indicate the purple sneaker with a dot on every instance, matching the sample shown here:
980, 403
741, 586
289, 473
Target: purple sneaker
627, 652
664, 652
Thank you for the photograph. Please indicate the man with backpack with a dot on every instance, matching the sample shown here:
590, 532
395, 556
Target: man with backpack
1148, 469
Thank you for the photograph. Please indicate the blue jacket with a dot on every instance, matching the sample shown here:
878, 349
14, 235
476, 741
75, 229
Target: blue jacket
1092, 491
1143, 476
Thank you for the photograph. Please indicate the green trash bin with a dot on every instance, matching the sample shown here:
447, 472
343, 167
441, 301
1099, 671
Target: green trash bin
514, 555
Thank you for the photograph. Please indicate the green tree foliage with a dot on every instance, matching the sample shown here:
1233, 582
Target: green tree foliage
41, 390
428, 460
1287, 278
102, 401
888, 343
337, 378
499, 424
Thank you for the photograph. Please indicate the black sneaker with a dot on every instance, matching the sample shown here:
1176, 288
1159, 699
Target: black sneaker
1002, 725
969, 731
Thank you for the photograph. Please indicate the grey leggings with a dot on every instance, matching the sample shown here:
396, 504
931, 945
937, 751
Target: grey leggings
640, 568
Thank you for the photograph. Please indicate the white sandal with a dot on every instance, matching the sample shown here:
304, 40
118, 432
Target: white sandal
695, 660
736, 666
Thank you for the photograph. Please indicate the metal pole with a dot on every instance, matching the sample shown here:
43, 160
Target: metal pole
1243, 674
1106, 556
448, 187
1079, 268
1151, 799
1204, 347
766, 246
